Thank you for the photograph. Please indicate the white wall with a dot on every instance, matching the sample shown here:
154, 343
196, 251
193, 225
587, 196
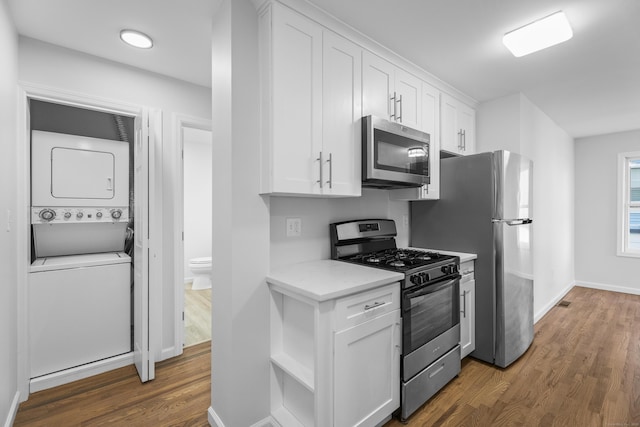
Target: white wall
8, 205
240, 306
67, 70
317, 214
514, 123
597, 264
197, 195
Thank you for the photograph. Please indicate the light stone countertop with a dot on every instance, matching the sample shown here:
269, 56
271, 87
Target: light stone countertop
328, 279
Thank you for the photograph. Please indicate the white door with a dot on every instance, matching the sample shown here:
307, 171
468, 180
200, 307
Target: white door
143, 358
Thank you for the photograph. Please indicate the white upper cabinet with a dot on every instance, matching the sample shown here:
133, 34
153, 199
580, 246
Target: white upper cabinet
458, 126
390, 92
311, 107
408, 99
341, 114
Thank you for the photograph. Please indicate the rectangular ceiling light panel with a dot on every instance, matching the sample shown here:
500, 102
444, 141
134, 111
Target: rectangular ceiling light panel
538, 35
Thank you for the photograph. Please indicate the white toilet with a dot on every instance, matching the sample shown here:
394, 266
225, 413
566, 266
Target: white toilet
201, 269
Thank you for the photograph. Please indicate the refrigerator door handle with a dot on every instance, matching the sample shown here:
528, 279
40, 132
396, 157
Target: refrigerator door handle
519, 221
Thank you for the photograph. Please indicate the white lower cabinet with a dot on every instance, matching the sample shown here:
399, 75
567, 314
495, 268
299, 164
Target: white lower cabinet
367, 371
467, 309
337, 362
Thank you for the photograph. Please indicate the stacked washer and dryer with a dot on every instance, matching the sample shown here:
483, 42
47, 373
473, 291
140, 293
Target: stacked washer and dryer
80, 277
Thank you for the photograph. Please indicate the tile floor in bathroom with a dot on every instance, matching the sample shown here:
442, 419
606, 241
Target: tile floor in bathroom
197, 315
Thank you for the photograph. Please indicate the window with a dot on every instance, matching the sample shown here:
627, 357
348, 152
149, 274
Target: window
629, 204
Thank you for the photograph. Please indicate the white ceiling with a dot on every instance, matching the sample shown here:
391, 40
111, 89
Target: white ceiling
589, 85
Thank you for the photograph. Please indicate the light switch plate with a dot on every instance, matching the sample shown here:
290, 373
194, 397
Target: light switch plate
294, 227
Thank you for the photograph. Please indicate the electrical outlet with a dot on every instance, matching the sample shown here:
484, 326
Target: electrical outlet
405, 221
294, 227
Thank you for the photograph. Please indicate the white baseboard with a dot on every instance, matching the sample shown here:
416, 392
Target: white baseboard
80, 372
267, 422
613, 288
168, 353
540, 314
13, 410
215, 421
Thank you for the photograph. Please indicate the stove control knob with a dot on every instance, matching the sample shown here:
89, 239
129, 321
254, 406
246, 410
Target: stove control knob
67, 215
449, 269
47, 214
79, 215
116, 213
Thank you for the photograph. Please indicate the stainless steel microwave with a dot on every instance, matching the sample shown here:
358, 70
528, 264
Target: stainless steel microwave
393, 155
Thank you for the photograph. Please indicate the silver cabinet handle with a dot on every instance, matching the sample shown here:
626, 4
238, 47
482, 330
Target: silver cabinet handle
464, 304
464, 140
393, 99
400, 116
374, 305
319, 159
460, 139
330, 161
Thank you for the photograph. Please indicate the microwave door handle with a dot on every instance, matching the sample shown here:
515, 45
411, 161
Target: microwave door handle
429, 289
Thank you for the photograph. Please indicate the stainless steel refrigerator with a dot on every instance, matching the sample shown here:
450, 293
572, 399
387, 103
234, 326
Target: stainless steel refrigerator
485, 208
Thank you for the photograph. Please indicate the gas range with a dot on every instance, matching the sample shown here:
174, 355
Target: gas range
429, 303
372, 243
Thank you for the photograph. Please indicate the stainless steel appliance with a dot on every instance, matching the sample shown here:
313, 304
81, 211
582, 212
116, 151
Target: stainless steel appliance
429, 304
393, 155
485, 208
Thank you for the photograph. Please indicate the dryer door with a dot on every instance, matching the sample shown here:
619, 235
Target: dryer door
82, 174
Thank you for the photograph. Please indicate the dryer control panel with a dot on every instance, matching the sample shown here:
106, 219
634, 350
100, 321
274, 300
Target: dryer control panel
60, 215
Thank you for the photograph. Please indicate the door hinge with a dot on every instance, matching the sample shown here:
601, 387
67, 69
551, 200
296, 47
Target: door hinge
183, 236
183, 316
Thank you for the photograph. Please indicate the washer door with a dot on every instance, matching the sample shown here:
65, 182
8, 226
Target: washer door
82, 174
71, 170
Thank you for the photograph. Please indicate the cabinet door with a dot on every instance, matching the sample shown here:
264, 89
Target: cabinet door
377, 86
449, 129
467, 123
296, 103
431, 125
341, 115
408, 99
467, 317
367, 371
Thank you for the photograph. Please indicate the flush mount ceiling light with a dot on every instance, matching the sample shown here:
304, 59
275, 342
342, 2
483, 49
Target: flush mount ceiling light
538, 35
136, 39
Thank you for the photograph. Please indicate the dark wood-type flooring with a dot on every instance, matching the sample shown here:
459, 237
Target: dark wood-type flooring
583, 369
179, 396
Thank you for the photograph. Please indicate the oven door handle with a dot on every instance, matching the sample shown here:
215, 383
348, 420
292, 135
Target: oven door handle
435, 287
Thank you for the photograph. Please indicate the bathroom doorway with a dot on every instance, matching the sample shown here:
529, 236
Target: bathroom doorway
197, 213
193, 213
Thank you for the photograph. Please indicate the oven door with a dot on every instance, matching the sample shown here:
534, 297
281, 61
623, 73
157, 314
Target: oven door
394, 153
429, 311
